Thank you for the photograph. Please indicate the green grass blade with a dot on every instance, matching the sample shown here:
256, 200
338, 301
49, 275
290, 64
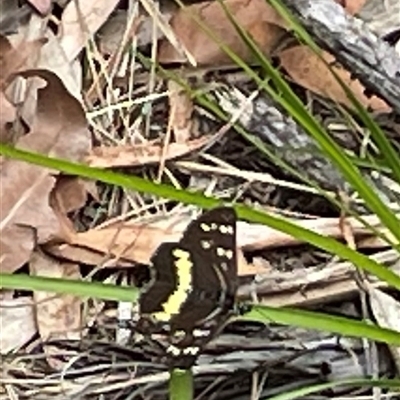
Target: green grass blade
323, 322
300, 393
181, 385
386, 149
281, 224
74, 287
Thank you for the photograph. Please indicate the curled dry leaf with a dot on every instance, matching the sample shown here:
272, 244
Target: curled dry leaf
70, 193
58, 316
258, 18
129, 155
309, 71
58, 130
17, 322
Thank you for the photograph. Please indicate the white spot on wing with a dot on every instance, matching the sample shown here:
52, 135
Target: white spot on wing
226, 229
206, 244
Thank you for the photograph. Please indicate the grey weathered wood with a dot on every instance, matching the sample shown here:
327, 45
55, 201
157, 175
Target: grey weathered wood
374, 62
291, 144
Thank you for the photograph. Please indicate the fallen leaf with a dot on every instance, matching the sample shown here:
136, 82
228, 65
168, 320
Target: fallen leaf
307, 70
133, 155
353, 6
58, 130
7, 115
128, 240
15, 59
135, 242
80, 21
17, 322
256, 17
58, 316
42, 6
70, 194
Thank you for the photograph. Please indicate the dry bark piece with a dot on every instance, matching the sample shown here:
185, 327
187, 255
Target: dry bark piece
11, 15
382, 17
386, 311
314, 285
59, 130
256, 17
288, 141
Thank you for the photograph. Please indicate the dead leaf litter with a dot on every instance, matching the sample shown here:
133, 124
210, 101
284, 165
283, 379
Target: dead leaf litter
78, 81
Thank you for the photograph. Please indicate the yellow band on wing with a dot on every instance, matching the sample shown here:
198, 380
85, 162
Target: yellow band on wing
173, 304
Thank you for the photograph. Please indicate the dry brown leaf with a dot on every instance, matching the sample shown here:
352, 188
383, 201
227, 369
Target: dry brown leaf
17, 322
180, 112
7, 115
70, 193
129, 241
13, 60
80, 21
306, 69
58, 130
58, 316
353, 6
128, 156
136, 242
258, 18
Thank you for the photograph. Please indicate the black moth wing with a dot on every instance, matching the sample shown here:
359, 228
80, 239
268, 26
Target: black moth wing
211, 241
163, 282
